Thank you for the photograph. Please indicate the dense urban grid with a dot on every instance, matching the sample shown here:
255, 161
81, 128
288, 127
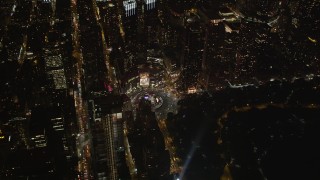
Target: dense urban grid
159, 89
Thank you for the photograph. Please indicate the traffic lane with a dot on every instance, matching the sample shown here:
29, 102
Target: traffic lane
135, 96
169, 100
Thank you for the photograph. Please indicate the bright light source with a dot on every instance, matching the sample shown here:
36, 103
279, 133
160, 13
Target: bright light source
144, 79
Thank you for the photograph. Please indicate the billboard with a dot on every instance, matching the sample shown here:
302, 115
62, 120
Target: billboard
192, 90
144, 79
116, 116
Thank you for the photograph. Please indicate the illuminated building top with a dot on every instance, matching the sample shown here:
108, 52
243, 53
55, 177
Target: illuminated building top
150, 4
130, 7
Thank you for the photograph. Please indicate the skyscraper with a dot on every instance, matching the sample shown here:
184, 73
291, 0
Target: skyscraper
107, 126
192, 40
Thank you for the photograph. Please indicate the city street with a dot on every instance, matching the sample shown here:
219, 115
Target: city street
159, 90
169, 104
83, 144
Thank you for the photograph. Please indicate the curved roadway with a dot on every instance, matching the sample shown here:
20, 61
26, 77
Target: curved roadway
169, 104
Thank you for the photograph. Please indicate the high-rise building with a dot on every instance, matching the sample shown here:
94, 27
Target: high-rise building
140, 24
44, 10
261, 9
152, 22
54, 68
150, 4
249, 52
39, 140
21, 126
107, 130
112, 15
152, 160
192, 41
130, 7
213, 60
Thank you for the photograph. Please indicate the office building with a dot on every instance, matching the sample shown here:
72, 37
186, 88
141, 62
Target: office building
108, 143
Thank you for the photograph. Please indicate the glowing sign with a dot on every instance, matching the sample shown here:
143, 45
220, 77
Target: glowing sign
108, 87
144, 79
192, 90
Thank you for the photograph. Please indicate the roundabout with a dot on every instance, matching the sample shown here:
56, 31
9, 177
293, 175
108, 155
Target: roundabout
156, 101
155, 97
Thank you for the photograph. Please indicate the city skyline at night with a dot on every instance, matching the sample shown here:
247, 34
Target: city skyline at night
159, 89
